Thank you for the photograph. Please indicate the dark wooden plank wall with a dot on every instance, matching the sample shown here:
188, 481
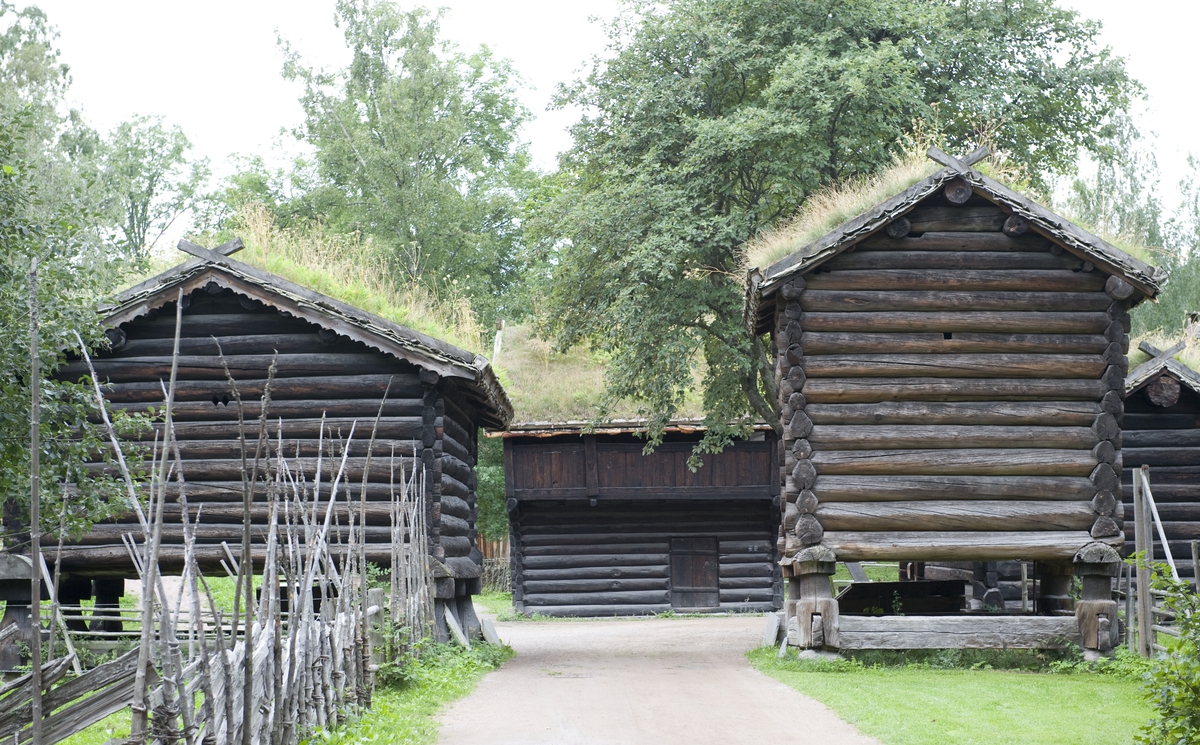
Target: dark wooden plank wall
574, 559
950, 394
557, 468
318, 373
1167, 440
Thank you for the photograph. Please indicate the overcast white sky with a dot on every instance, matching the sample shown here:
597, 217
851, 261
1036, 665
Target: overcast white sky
213, 67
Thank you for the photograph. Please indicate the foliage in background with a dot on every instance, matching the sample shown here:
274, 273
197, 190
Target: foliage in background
148, 181
353, 270
711, 120
416, 145
1173, 684
70, 281
491, 518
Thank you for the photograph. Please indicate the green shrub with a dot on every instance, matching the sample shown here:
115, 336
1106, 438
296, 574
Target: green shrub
1173, 683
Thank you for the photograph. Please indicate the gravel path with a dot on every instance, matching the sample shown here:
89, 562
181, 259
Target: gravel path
659, 681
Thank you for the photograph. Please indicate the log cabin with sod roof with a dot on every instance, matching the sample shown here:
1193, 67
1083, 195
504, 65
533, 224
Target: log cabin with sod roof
1162, 434
951, 371
598, 527
334, 365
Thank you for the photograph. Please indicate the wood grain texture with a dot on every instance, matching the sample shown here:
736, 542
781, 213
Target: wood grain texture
1049, 366
981, 462
927, 300
1052, 413
892, 436
936, 487
963, 632
1015, 322
1033, 280
999, 515
869, 390
959, 545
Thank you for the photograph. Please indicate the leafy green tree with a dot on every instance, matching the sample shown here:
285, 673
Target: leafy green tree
1181, 258
711, 120
71, 276
416, 146
148, 180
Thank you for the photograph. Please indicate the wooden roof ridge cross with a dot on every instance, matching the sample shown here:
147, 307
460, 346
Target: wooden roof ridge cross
1157, 354
962, 166
211, 254
1162, 374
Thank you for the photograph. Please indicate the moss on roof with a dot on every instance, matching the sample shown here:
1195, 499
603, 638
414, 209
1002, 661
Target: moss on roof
549, 386
346, 269
830, 207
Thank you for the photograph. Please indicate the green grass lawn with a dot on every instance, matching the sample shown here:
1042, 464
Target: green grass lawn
917, 705
402, 713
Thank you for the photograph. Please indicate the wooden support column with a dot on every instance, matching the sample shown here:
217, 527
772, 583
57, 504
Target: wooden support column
1054, 588
812, 609
1096, 611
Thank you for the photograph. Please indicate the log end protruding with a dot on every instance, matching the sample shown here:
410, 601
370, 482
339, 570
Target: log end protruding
116, 338
1117, 288
1105, 527
958, 191
899, 228
1163, 391
1015, 225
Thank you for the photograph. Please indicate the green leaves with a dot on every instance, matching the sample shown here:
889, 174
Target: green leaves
416, 146
712, 120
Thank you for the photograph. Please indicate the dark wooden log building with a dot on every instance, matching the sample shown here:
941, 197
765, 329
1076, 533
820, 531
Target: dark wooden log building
598, 528
951, 369
1162, 431
334, 364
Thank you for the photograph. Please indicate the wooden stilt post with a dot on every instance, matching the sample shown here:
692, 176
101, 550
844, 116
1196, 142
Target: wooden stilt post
35, 530
1140, 541
1096, 611
815, 621
1196, 564
1129, 623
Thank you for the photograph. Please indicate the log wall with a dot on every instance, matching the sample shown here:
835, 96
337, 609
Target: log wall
951, 394
598, 528
425, 420
615, 558
1168, 440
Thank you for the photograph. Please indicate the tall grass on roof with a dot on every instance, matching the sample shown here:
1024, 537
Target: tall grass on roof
833, 205
350, 269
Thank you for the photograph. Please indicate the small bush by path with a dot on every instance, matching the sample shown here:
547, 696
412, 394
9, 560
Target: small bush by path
930, 700
402, 712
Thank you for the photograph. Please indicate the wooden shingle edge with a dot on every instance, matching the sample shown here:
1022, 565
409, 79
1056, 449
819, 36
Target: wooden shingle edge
300, 302
1145, 372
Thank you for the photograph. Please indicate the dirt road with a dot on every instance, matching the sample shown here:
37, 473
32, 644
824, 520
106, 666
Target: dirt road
659, 681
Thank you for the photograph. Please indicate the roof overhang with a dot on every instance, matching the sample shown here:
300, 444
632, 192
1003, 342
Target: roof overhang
1146, 279
613, 427
214, 269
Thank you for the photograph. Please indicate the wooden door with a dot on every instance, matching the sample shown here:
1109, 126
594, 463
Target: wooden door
694, 573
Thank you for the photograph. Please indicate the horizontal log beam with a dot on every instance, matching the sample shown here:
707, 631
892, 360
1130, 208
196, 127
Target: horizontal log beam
993, 322
316, 387
1161, 456
628, 572
1051, 366
534, 587
1037, 280
360, 409
869, 390
231, 345
332, 429
1162, 438
205, 325
908, 488
956, 515
960, 545
598, 598
957, 632
1053, 413
978, 462
927, 300
977, 260
194, 367
594, 560
819, 343
893, 436
955, 241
